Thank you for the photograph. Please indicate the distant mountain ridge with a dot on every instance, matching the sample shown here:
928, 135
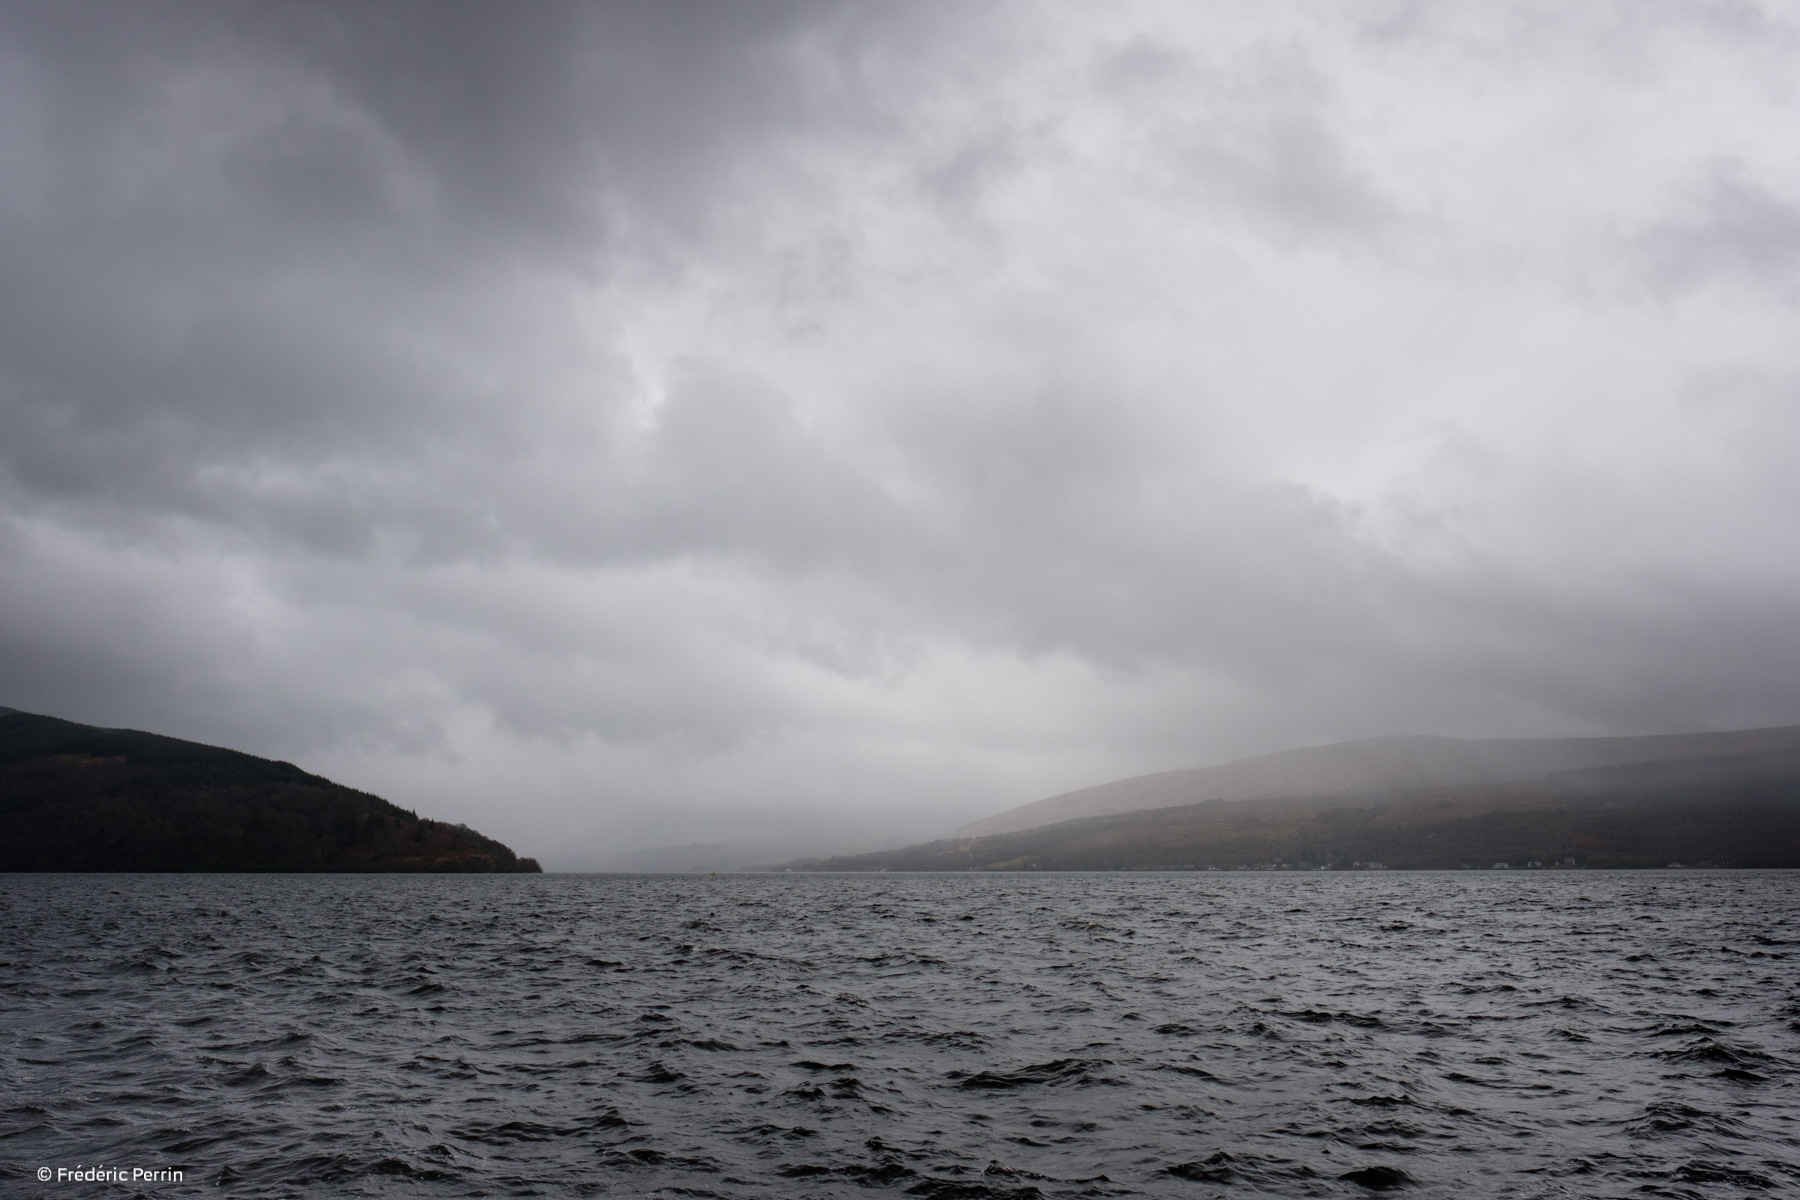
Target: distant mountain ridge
80, 798
1377, 765
1737, 809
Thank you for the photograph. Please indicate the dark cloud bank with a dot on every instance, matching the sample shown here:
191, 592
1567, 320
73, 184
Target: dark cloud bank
628, 424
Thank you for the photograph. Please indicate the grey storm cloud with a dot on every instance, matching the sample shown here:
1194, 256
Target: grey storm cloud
621, 423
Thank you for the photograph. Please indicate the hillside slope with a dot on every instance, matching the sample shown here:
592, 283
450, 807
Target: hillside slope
79, 798
1373, 765
1739, 810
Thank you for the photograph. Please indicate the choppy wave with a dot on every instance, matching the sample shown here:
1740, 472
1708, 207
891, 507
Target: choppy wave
956, 1036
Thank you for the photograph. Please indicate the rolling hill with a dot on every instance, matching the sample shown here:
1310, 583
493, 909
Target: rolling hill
1739, 809
80, 798
1377, 765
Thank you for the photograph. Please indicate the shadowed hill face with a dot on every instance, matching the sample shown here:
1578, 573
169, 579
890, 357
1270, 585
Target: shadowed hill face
1740, 810
1377, 764
25, 737
77, 798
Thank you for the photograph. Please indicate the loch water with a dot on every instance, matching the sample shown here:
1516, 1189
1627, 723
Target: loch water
1468, 1034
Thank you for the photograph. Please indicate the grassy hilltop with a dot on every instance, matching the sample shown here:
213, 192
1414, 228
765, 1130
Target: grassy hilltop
79, 798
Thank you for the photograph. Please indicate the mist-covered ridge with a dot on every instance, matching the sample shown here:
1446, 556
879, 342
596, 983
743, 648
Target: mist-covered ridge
1374, 765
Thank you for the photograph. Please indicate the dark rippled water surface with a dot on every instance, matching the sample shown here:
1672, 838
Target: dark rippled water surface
1493, 1034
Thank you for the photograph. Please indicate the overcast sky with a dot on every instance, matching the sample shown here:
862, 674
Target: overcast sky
617, 424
